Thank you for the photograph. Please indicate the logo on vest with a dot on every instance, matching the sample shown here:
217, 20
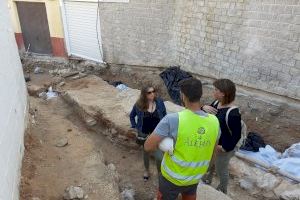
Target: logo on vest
198, 139
201, 131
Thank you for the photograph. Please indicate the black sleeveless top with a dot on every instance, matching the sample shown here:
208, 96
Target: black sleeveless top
150, 121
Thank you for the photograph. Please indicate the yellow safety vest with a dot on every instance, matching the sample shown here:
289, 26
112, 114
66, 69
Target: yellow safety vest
194, 147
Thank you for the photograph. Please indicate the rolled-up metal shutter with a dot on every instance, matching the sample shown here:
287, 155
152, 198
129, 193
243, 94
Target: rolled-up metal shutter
81, 18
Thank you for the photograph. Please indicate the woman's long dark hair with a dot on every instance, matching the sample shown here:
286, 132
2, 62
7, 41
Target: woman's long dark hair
142, 102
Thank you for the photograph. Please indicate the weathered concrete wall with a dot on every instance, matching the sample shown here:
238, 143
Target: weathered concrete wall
138, 33
13, 104
253, 42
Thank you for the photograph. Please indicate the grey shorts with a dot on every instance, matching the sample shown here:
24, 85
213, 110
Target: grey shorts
169, 191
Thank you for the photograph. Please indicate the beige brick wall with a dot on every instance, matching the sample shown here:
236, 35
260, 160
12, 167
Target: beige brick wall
253, 42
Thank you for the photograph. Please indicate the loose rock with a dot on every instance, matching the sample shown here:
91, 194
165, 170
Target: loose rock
291, 195
38, 70
62, 142
253, 179
61, 84
128, 194
34, 90
27, 78
111, 167
286, 189
90, 121
73, 192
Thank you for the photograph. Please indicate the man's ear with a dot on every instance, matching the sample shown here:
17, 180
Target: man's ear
182, 97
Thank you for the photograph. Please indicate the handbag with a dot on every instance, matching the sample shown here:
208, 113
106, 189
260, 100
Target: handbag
141, 138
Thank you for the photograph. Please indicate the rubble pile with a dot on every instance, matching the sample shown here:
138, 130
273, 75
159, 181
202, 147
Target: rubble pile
259, 182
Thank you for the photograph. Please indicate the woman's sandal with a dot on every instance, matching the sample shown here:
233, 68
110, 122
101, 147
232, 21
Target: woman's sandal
146, 177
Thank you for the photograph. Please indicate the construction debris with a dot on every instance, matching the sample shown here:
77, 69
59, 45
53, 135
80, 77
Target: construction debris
62, 142
74, 192
60, 71
291, 194
38, 70
27, 78
80, 75
61, 84
259, 182
43, 95
51, 94
128, 194
69, 74
35, 90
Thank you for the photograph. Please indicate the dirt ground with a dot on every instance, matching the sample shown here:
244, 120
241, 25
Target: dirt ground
277, 123
47, 170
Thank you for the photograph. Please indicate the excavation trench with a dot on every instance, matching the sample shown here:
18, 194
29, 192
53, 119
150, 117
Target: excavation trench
117, 143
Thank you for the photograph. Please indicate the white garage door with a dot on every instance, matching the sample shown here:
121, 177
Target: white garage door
80, 22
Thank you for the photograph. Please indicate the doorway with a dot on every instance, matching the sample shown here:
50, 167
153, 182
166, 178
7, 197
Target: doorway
35, 28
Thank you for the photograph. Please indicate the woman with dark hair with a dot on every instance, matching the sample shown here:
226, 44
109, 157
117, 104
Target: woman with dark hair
224, 94
149, 110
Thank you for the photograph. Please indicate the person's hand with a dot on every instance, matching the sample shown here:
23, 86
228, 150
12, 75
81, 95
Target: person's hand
210, 109
220, 149
133, 131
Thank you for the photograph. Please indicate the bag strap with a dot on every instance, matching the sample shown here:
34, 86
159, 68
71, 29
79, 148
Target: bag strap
215, 102
227, 116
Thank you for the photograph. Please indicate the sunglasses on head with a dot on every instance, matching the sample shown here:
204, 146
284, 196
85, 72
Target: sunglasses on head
150, 92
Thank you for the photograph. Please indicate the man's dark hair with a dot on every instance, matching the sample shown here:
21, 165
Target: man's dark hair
192, 89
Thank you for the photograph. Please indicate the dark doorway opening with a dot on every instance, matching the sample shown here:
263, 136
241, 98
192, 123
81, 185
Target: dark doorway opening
35, 28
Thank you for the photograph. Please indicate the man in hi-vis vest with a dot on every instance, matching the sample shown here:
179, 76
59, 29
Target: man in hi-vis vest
195, 134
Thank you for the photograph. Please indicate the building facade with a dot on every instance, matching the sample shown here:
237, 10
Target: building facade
38, 26
13, 109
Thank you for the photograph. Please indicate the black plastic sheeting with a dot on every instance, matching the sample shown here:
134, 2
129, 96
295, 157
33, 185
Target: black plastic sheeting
253, 142
171, 77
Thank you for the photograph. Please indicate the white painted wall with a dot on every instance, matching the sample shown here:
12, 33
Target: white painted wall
13, 108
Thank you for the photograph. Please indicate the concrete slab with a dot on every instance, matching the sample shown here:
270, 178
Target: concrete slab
97, 101
209, 193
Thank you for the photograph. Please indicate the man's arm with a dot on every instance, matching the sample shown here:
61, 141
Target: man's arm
161, 131
152, 142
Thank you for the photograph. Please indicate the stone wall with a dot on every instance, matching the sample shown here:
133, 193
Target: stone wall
138, 33
13, 104
253, 42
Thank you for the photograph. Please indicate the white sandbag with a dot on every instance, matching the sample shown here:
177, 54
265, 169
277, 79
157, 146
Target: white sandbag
290, 165
167, 145
293, 151
272, 158
267, 154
